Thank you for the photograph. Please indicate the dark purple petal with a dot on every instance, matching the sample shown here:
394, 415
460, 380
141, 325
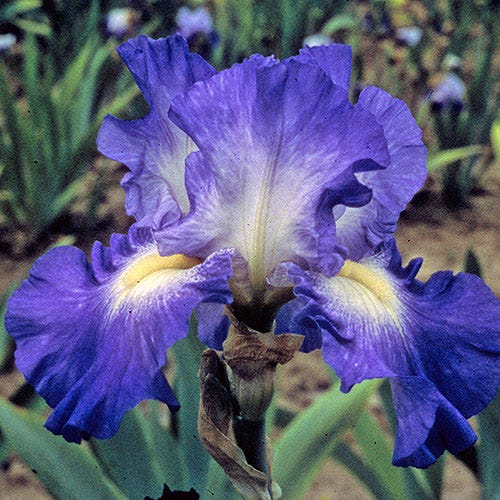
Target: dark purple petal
153, 147
286, 323
273, 160
425, 416
379, 321
92, 339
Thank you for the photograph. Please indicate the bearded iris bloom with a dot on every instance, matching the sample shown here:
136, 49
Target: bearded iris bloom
262, 187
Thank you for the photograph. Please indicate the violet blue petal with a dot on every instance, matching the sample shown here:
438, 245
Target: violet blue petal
450, 89
308, 325
362, 229
213, 324
334, 59
193, 21
92, 338
425, 416
152, 147
432, 339
273, 161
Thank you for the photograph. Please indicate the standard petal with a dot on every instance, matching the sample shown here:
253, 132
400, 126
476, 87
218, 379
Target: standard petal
92, 339
379, 321
334, 59
273, 161
153, 147
361, 230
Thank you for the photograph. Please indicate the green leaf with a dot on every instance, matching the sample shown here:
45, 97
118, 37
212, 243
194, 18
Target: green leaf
489, 444
360, 469
67, 470
33, 27
168, 456
130, 458
495, 139
19, 7
444, 158
378, 454
6, 342
82, 105
313, 435
340, 22
218, 484
4, 449
187, 355
64, 198
15, 172
38, 106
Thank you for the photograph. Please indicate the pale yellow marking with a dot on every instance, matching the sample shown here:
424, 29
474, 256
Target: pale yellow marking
153, 263
257, 260
144, 275
376, 283
370, 279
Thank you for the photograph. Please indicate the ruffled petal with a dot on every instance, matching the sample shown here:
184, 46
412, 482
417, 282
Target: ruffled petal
377, 320
153, 147
286, 322
361, 230
273, 161
92, 339
213, 325
425, 416
334, 59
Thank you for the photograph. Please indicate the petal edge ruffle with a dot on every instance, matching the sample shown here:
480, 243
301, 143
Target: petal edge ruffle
377, 320
92, 339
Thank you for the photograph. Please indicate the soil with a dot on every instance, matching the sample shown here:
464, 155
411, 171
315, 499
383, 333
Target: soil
427, 229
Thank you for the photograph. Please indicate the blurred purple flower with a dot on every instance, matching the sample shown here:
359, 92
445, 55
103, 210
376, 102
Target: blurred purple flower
119, 22
7, 42
448, 94
194, 21
409, 35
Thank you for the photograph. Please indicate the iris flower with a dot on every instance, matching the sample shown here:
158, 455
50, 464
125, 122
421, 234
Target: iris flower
448, 94
263, 187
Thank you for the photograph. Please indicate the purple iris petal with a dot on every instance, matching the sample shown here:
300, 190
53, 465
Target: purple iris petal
213, 325
307, 325
334, 59
92, 338
153, 147
362, 229
442, 336
273, 161
426, 417
265, 168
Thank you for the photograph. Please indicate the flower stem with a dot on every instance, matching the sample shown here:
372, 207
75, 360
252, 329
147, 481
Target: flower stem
251, 438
